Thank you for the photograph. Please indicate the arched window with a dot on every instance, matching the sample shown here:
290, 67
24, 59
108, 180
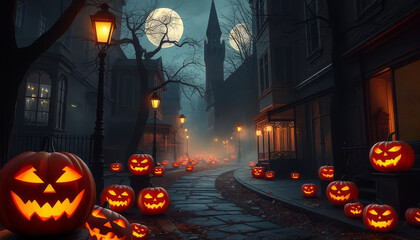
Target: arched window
37, 100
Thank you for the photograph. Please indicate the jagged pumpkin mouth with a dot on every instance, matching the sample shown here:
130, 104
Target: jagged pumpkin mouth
95, 232
154, 206
380, 224
328, 175
340, 198
417, 219
308, 192
140, 169
47, 211
356, 211
387, 162
139, 235
117, 203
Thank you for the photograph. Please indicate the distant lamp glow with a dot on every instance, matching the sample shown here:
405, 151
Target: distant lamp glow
239, 127
188, 137
216, 139
268, 128
155, 100
258, 133
182, 118
186, 130
103, 23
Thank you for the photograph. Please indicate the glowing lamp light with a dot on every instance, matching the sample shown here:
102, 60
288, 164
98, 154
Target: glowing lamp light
188, 137
182, 118
258, 133
103, 23
239, 127
268, 128
186, 130
216, 139
155, 100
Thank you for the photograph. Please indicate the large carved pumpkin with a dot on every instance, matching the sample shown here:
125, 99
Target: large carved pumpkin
141, 164
105, 224
45, 193
119, 197
116, 167
309, 190
140, 232
412, 216
391, 156
353, 209
342, 192
380, 217
258, 172
326, 173
153, 201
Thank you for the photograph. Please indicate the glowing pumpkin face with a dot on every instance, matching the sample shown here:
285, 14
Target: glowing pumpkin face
189, 168
106, 224
342, 192
380, 218
140, 232
45, 193
258, 172
194, 162
175, 164
226, 159
119, 197
159, 171
309, 190
153, 201
251, 164
391, 156
116, 167
140, 164
353, 210
326, 173
165, 163
412, 216
270, 175
295, 175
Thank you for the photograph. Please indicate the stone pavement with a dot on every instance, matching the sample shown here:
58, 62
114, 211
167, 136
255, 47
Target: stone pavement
196, 192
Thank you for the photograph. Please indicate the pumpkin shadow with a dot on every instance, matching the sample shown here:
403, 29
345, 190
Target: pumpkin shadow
82, 234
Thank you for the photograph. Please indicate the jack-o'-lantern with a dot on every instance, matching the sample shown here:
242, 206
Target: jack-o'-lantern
226, 159
189, 168
165, 163
258, 172
353, 209
153, 201
116, 167
45, 193
295, 175
184, 162
342, 192
106, 224
159, 171
175, 164
213, 162
140, 232
391, 156
251, 164
119, 197
309, 190
380, 217
412, 216
326, 173
270, 175
141, 164
194, 162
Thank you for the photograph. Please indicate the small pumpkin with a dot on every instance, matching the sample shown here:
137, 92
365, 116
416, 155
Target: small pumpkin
380, 217
189, 167
326, 173
258, 172
342, 192
116, 167
165, 163
353, 209
104, 223
226, 159
159, 171
295, 175
309, 190
412, 216
251, 164
175, 164
141, 164
270, 175
120, 197
153, 201
140, 232
194, 162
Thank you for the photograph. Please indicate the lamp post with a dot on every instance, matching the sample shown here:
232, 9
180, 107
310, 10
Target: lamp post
188, 137
155, 100
182, 118
268, 129
239, 128
258, 133
103, 23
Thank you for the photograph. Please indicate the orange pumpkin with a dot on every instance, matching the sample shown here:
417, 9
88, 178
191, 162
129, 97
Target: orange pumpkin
165, 163
258, 172
45, 193
380, 217
270, 175
116, 167
251, 164
342, 192
295, 175
309, 190
119, 197
326, 173
353, 209
189, 168
412, 216
175, 164
141, 164
194, 162
140, 232
153, 201
226, 159
159, 171
391, 156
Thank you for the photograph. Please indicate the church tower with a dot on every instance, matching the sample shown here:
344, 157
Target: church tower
214, 56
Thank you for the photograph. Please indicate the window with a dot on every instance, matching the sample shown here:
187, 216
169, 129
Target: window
42, 24
37, 99
20, 12
60, 105
312, 26
264, 74
261, 14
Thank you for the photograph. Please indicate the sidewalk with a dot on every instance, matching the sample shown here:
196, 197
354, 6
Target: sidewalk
289, 192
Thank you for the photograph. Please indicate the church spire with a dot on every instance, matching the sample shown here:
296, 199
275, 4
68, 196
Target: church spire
213, 28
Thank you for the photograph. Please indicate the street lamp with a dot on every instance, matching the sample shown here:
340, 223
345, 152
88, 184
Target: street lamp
239, 128
258, 132
103, 23
155, 100
188, 137
182, 118
268, 129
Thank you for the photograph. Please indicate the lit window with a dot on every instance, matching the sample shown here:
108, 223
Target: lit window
37, 99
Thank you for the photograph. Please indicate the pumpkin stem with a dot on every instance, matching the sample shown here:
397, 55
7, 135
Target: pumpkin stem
389, 138
106, 205
48, 143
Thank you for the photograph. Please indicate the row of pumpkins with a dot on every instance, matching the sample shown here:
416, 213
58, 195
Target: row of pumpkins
387, 156
48, 193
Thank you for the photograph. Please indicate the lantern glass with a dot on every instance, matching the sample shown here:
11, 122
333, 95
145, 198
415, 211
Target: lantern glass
258, 133
155, 100
239, 128
103, 31
188, 137
268, 128
182, 118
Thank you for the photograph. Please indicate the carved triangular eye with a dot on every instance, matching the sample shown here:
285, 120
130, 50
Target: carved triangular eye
29, 176
134, 161
373, 212
144, 161
98, 214
124, 194
120, 222
377, 151
333, 187
148, 196
160, 195
386, 213
395, 149
345, 188
112, 192
69, 175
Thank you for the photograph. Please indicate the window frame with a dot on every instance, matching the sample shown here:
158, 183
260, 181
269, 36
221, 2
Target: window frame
37, 98
312, 52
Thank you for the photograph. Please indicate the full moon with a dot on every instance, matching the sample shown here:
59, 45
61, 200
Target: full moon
239, 37
161, 21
